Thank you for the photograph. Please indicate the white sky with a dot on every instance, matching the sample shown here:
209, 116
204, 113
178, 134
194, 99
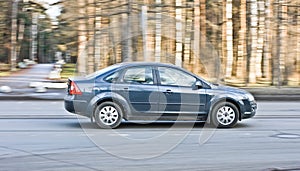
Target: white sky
52, 11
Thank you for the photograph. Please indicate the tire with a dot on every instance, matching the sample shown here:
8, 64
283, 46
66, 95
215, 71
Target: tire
224, 115
108, 115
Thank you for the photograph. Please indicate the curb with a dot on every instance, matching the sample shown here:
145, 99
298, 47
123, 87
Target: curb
34, 94
277, 97
59, 95
275, 94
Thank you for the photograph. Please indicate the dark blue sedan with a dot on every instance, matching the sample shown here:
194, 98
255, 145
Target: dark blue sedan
155, 91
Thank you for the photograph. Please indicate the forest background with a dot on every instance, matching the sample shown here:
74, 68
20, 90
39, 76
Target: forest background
238, 42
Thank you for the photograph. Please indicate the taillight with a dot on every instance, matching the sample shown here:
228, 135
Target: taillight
74, 90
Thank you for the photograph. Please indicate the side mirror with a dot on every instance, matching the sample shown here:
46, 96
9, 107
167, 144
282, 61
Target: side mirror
198, 85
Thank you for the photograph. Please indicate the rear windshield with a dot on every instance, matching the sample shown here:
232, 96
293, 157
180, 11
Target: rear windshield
102, 71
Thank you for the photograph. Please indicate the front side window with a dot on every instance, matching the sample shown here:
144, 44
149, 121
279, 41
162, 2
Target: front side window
174, 77
138, 75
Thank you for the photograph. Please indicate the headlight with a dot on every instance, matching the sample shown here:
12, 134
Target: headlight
249, 97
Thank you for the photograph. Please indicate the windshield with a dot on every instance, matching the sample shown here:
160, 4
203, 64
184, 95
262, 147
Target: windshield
102, 71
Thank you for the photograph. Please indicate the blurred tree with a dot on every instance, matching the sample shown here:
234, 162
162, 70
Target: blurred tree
279, 77
66, 32
253, 37
248, 36
82, 37
260, 37
13, 34
5, 24
203, 22
158, 31
267, 52
229, 37
242, 42
15, 29
91, 12
196, 47
179, 33
187, 36
298, 41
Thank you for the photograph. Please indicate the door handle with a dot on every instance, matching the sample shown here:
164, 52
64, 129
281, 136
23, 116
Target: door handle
96, 89
168, 92
126, 88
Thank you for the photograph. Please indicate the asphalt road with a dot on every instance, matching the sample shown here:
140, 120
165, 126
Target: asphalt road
40, 135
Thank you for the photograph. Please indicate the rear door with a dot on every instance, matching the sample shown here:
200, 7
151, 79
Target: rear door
139, 88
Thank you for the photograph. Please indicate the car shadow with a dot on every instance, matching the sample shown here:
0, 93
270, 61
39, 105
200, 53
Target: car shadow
152, 125
161, 125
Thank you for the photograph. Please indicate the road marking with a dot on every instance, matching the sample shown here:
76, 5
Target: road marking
118, 134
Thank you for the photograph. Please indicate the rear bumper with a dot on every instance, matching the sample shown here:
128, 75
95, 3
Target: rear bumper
75, 106
69, 106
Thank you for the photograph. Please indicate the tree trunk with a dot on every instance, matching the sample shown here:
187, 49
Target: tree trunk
144, 23
20, 38
82, 38
126, 34
34, 30
224, 38
283, 39
179, 33
298, 47
236, 23
229, 38
253, 34
242, 45
14, 28
260, 38
203, 22
279, 62
91, 36
98, 37
196, 45
267, 40
158, 32
187, 39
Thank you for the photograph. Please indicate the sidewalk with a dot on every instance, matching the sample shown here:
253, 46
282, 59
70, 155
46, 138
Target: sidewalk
274, 93
36, 74
21, 84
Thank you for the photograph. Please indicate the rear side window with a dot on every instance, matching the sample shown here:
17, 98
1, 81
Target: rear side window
112, 78
138, 75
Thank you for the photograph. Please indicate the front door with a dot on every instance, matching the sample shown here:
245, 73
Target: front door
178, 95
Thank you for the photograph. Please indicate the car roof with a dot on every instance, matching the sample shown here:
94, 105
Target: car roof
146, 63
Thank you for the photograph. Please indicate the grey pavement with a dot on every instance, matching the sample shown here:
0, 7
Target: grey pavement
55, 109
261, 143
20, 81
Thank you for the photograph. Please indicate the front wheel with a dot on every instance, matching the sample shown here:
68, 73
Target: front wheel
224, 115
108, 115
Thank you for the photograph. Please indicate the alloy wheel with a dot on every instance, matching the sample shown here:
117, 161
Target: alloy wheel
108, 115
226, 115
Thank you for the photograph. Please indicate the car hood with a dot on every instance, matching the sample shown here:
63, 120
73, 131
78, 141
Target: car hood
229, 89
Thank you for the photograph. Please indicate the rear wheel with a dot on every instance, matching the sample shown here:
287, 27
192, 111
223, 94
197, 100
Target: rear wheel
108, 115
224, 115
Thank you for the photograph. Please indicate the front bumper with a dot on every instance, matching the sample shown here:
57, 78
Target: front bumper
250, 109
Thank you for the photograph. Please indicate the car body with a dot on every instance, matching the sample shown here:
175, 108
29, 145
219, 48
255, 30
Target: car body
155, 91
